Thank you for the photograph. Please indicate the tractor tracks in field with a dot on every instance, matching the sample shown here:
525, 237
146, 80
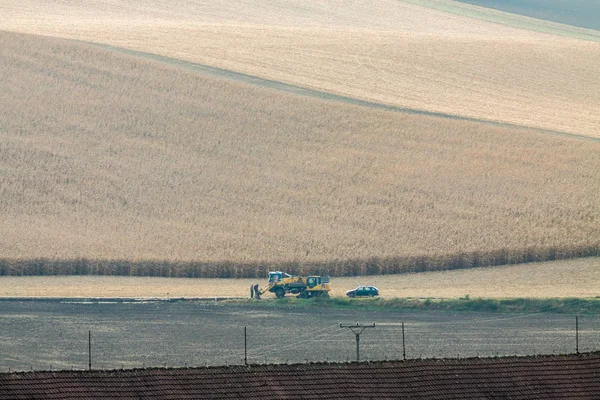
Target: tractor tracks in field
116, 300
222, 73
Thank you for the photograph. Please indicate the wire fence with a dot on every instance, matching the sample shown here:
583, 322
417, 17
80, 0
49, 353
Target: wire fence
46, 336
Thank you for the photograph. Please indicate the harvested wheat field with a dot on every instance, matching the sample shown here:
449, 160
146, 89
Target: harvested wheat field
572, 278
440, 56
109, 156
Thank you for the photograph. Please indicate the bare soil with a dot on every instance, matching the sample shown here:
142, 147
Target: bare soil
43, 335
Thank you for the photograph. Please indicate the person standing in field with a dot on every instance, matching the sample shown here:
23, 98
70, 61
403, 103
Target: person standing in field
251, 291
256, 293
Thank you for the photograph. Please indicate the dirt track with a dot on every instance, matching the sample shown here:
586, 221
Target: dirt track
441, 56
304, 91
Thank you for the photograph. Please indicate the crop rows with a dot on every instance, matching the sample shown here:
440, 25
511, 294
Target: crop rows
374, 266
119, 158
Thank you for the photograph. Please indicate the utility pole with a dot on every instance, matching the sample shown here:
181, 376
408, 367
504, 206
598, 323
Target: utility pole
357, 330
403, 346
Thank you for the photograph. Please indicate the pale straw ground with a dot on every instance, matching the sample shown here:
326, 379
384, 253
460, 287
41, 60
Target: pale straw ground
108, 156
569, 278
434, 55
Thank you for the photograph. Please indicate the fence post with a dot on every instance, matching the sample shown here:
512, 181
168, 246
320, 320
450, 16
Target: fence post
90, 350
403, 346
245, 348
577, 334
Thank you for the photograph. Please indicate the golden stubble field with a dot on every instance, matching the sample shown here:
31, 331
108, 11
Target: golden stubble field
410, 54
570, 278
107, 156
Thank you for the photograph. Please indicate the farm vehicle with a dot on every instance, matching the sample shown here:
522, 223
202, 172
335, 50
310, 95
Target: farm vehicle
305, 287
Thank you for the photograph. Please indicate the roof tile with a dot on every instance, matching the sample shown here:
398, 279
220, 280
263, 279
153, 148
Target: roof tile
535, 377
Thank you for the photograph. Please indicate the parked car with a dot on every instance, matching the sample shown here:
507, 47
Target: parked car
363, 291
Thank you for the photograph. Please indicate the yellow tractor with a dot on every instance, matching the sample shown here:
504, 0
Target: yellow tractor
281, 283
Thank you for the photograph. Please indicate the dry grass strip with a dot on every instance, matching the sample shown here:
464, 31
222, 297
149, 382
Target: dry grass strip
567, 278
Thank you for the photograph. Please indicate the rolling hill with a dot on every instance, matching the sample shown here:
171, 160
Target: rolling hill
582, 13
440, 56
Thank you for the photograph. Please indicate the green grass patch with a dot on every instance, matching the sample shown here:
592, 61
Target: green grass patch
466, 304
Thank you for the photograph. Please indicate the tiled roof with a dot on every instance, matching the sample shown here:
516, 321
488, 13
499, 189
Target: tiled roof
541, 377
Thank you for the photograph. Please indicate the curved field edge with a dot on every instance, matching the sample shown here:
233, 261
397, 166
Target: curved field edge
572, 305
260, 270
509, 19
553, 279
280, 86
546, 81
579, 13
